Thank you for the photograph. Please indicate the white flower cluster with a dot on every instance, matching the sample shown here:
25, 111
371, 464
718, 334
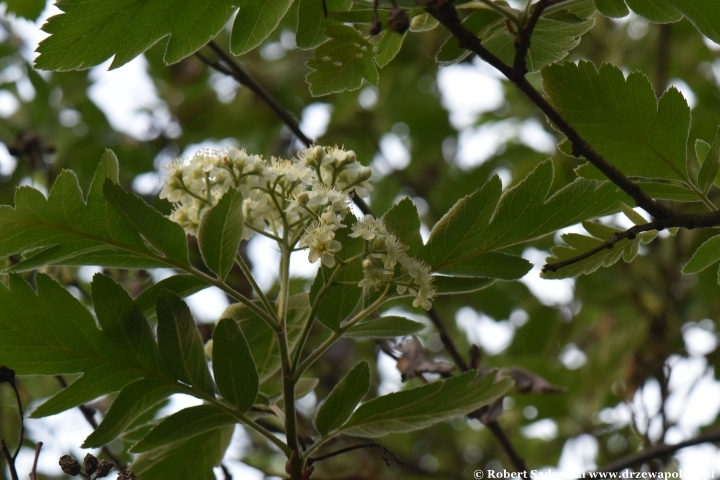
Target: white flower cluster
383, 252
301, 202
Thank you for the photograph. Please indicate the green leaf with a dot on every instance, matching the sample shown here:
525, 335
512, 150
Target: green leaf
220, 233
181, 347
162, 233
311, 21
658, 11
707, 254
490, 220
420, 407
51, 333
255, 22
235, 372
493, 264
182, 425
388, 47
554, 36
30, 9
702, 149
390, 326
65, 230
340, 300
121, 319
343, 399
622, 119
132, 401
709, 170
668, 191
402, 220
612, 8
262, 339
577, 244
89, 32
704, 14
632, 215
457, 285
423, 23
182, 285
192, 459
342, 62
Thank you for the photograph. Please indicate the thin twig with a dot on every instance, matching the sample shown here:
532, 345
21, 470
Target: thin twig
233, 68
226, 472
629, 234
515, 458
384, 451
10, 461
446, 340
524, 37
89, 415
658, 452
33, 472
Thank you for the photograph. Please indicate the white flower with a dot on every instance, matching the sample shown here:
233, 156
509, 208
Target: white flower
373, 275
320, 239
394, 250
368, 228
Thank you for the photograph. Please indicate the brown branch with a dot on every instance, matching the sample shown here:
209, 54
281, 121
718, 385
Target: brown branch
383, 452
33, 472
629, 234
515, 458
446, 340
524, 37
446, 14
232, 68
89, 415
658, 452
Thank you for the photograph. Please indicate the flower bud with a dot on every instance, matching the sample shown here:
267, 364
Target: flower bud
90, 464
69, 465
303, 199
104, 468
398, 20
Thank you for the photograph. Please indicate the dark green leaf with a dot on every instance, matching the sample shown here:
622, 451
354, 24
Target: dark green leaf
492, 265
342, 62
192, 459
388, 46
131, 402
706, 255
709, 170
30, 9
183, 285
420, 407
262, 339
235, 372
311, 21
456, 285
182, 425
52, 333
343, 399
162, 233
390, 326
622, 119
403, 221
490, 220
220, 233
181, 347
89, 32
64, 230
658, 11
255, 22
612, 8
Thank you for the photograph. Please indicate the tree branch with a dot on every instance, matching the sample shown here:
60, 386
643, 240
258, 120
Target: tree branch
524, 37
446, 14
659, 451
630, 234
384, 451
233, 69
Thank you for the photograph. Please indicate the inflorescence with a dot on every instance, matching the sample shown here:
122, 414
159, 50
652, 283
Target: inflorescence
300, 203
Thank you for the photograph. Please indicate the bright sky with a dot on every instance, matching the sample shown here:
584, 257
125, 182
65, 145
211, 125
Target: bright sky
129, 99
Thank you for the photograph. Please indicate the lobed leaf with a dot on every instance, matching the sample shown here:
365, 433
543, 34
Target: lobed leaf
626, 249
343, 399
342, 62
465, 240
312, 21
255, 22
622, 119
49, 332
402, 220
420, 407
88, 32
64, 229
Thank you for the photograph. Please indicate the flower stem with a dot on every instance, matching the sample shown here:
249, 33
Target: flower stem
248, 274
